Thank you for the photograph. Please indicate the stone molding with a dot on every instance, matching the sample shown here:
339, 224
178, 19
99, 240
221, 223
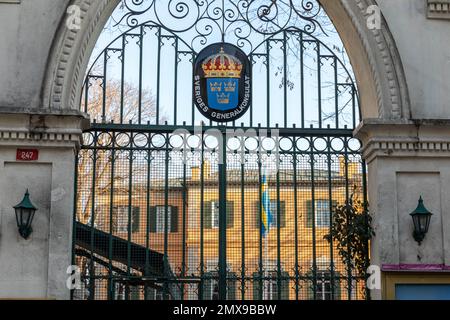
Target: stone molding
42, 130
384, 61
438, 9
72, 48
426, 138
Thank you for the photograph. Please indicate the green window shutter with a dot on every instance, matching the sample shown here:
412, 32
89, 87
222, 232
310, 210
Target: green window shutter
173, 219
136, 215
152, 222
284, 285
231, 286
257, 293
309, 214
207, 215
282, 214
230, 214
337, 286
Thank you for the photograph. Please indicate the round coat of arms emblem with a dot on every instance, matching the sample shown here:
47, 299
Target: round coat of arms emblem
222, 82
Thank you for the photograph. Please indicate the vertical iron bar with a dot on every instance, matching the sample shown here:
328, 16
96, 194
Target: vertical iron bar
111, 205
285, 81
166, 217
130, 204
330, 204
364, 177
105, 66
193, 103
319, 82
223, 219
313, 209
268, 82
347, 196
297, 270
74, 220
261, 266
158, 76
336, 91
354, 98
175, 93
302, 76
122, 79
148, 209
183, 253
243, 229
279, 282
202, 222
141, 54
91, 262
251, 105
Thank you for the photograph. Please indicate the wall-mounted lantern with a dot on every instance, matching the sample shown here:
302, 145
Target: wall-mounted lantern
25, 211
421, 218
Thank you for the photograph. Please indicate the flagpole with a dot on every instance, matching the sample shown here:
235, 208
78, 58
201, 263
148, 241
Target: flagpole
266, 265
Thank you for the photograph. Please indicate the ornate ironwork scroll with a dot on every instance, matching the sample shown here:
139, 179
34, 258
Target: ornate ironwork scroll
232, 21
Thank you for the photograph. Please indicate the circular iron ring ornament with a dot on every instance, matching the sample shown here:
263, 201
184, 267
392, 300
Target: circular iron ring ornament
222, 82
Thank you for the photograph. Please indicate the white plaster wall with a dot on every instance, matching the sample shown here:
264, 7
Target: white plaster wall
36, 268
399, 184
26, 32
424, 47
24, 263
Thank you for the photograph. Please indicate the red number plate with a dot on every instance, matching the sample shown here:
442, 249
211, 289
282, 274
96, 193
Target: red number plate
27, 154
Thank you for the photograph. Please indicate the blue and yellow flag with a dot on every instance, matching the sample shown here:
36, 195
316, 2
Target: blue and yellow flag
266, 212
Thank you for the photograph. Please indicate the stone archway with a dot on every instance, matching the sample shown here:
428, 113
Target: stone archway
373, 53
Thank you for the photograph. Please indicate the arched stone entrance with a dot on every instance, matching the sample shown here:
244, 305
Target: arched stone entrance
377, 66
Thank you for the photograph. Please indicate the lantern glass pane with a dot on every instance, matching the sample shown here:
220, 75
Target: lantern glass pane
416, 222
423, 223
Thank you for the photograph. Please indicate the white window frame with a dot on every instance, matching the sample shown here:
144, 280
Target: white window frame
160, 219
214, 214
322, 216
324, 279
122, 219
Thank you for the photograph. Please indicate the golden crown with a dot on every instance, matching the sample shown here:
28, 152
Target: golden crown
222, 65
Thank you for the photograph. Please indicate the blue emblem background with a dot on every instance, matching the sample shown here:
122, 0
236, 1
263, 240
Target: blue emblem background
223, 93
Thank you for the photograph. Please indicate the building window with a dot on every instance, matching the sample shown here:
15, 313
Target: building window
161, 219
214, 214
211, 213
324, 291
322, 213
211, 286
120, 219
154, 294
328, 286
158, 219
269, 284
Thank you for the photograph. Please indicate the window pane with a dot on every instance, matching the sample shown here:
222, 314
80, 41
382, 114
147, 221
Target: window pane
161, 219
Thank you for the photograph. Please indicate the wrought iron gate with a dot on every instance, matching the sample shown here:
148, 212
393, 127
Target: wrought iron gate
173, 206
